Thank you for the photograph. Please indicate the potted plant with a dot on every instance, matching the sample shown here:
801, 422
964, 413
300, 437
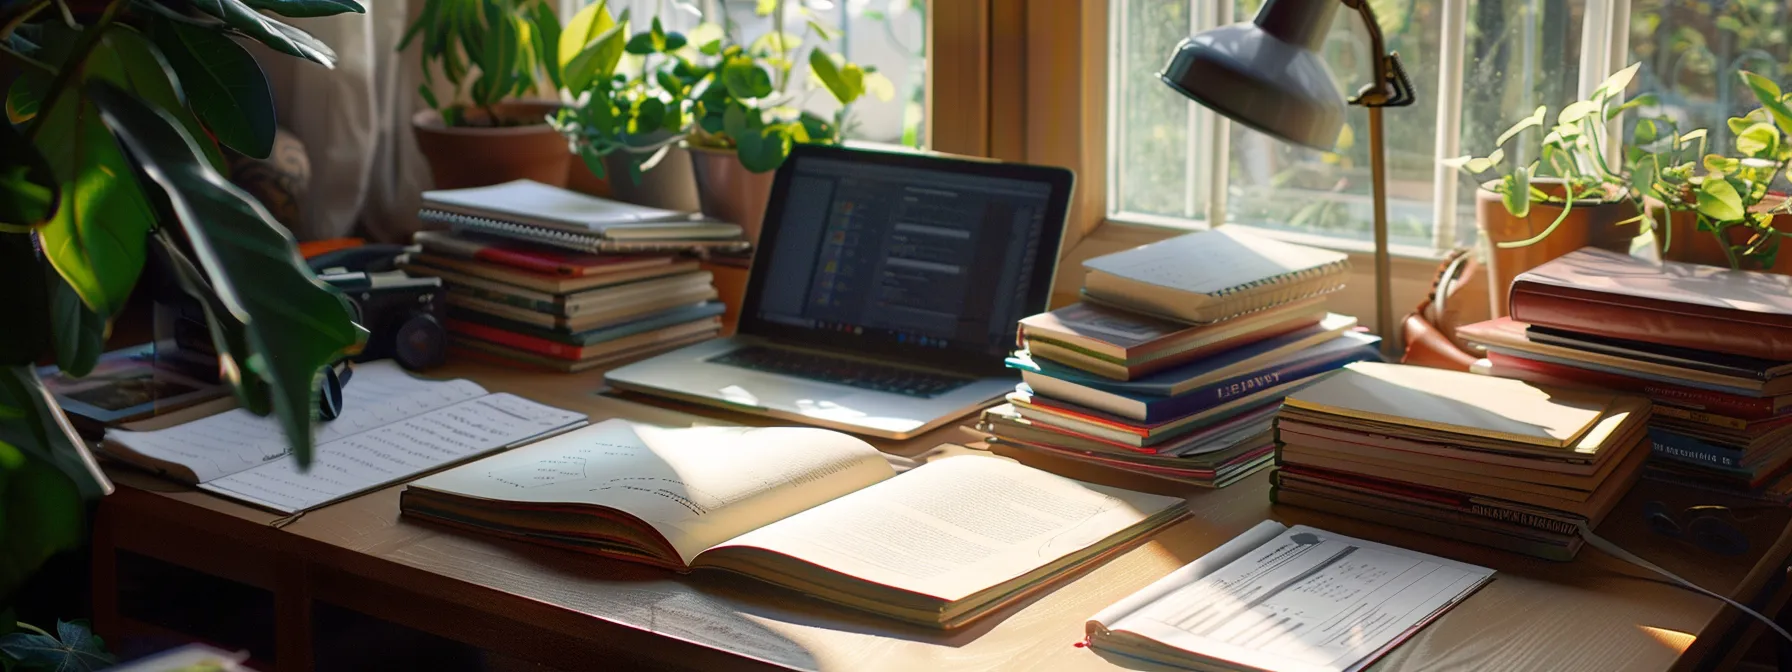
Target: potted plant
729, 102
1566, 198
1729, 216
489, 53
109, 156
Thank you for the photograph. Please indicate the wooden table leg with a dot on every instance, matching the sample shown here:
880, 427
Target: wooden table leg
105, 575
292, 618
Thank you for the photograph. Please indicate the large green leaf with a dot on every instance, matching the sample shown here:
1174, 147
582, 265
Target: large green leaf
96, 239
597, 61
824, 69
1768, 94
266, 30
224, 85
307, 8
1719, 200
546, 38
31, 422
28, 190
294, 324
74, 649
585, 27
127, 57
746, 79
77, 333
23, 300
230, 336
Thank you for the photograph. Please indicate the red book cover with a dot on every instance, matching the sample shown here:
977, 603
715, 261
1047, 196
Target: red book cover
539, 346
1549, 373
531, 258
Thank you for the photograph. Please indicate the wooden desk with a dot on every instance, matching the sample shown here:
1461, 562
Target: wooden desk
576, 612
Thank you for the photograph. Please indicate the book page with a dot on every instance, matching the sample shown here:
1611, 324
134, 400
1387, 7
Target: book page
1307, 601
379, 394
698, 486
952, 527
394, 452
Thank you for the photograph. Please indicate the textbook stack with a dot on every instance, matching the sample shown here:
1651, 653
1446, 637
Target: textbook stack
1175, 360
1712, 348
1486, 460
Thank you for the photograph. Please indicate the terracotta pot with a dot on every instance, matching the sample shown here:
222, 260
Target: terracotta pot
670, 184
1686, 243
1588, 224
473, 156
729, 191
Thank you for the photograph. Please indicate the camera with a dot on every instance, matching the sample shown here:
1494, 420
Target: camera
402, 315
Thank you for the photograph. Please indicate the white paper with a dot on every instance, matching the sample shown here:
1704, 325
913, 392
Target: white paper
1189, 573
395, 451
379, 394
1307, 601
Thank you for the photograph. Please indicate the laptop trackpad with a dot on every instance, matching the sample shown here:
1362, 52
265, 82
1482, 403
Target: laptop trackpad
872, 409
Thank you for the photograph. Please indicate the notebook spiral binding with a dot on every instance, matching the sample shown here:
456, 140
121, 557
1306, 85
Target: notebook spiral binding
1283, 278
568, 240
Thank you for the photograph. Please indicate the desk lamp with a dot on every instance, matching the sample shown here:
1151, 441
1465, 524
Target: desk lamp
1267, 74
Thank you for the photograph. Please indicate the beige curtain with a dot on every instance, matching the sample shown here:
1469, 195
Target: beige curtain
366, 173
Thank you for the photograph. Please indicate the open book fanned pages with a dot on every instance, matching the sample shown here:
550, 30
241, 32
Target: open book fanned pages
1487, 460
1285, 599
1212, 275
392, 427
812, 510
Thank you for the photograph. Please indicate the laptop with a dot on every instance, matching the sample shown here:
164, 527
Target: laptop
883, 295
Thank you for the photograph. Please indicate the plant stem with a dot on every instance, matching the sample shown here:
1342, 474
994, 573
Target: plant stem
27, 61
68, 16
24, 14
27, 626
72, 68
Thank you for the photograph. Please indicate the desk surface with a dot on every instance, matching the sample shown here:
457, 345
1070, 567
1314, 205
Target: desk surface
1596, 613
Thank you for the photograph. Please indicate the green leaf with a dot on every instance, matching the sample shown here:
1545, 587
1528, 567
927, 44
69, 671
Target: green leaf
673, 42
78, 650
1646, 131
1517, 192
1718, 164
746, 79
301, 9
1719, 201
29, 194
1639, 101
1643, 174
429, 97
25, 302
765, 7
78, 334
824, 69
546, 40
1575, 112
1616, 83
650, 113
597, 61
1759, 140
32, 423
1533, 121
261, 28
763, 150
224, 86
294, 324
821, 31
641, 44
26, 95
586, 27
1768, 94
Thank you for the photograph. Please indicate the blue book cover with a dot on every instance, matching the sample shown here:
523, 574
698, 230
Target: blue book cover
1683, 448
1199, 373
1149, 408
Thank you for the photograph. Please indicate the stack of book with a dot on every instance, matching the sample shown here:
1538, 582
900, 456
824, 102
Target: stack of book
1176, 359
553, 278
1712, 347
1486, 460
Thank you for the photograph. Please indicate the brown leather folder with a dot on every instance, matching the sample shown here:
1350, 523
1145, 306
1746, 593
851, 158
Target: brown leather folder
1688, 305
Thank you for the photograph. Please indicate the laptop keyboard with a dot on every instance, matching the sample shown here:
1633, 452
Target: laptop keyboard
840, 371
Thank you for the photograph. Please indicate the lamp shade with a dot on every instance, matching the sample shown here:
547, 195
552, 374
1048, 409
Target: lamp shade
1266, 73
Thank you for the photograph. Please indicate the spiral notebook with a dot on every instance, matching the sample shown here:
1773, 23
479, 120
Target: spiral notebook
1212, 276
538, 213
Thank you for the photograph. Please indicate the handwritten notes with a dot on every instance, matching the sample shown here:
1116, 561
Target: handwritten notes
395, 451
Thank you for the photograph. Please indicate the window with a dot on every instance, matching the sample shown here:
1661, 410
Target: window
887, 34
1174, 163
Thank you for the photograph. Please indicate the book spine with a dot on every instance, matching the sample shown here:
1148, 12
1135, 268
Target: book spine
528, 343
467, 249
1701, 417
1201, 399
506, 299
1684, 448
1521, 518
1750, 408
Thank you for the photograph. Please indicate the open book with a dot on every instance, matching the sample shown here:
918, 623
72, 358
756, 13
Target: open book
1285, 599
809, 509
392, 427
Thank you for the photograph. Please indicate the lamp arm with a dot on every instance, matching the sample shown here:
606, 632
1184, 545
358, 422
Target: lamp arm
1390, 86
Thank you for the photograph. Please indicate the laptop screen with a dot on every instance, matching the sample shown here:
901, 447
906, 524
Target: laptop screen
912, 255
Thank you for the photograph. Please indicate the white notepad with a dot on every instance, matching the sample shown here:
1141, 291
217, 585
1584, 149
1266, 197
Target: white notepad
392, 427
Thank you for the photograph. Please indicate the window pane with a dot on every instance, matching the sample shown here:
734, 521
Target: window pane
1154, 136
1690, 51
1276, 185
889, 35
1520, 54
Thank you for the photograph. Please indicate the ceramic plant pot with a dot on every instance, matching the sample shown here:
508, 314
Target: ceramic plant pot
729, 191
473, 156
